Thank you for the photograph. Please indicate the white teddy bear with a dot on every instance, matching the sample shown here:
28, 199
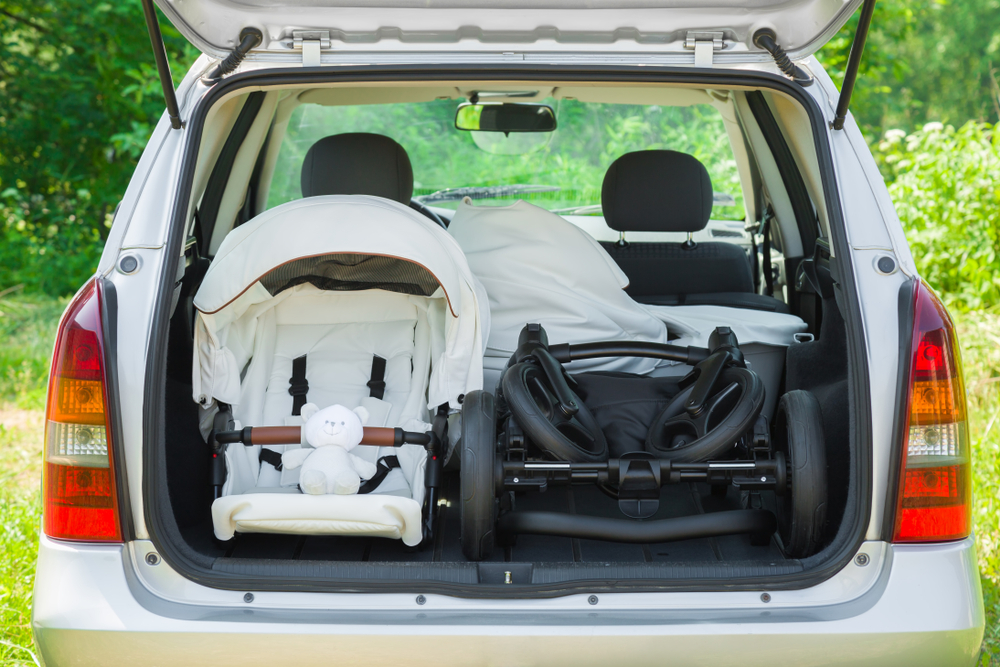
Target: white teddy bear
330, 467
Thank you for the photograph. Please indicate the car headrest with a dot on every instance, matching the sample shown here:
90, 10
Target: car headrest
358, 163
657, 191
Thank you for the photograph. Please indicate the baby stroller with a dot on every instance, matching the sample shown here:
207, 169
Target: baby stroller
348, 300
705, 427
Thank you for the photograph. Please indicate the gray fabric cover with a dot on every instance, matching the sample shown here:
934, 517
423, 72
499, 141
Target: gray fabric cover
358, 163
625, 405
747, 300
657, 191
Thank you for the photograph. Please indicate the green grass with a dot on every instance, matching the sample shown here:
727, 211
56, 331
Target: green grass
19, 544
27, 325
979, 334
27, 329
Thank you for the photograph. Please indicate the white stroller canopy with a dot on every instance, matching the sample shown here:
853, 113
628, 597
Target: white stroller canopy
340, 243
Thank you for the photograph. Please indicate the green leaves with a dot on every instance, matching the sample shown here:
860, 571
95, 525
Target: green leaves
78, 97
946, 189
924, 60
50, 243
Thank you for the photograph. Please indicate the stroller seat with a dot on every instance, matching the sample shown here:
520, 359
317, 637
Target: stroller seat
345, 300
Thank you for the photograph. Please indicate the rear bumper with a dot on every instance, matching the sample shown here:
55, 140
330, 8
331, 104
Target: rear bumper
91, 609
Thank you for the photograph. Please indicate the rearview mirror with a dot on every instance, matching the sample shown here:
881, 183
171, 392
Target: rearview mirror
505, 118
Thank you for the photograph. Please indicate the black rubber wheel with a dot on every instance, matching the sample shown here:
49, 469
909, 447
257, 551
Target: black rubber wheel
729, 414
577, 439
478, 504
798, 434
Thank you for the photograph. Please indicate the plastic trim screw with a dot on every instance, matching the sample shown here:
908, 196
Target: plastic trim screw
152, 559
861, 560
765, 597
421, 599
592, 599
248, 597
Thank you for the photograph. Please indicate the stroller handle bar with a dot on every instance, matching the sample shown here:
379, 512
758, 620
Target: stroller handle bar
565, 353
292, 435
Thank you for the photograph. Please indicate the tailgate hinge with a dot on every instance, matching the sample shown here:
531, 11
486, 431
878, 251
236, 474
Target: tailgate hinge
311, 42
704, 45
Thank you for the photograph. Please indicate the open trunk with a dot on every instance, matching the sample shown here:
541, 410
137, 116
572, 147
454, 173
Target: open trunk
784, 178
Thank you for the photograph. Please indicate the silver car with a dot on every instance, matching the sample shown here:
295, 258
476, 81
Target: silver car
648, 374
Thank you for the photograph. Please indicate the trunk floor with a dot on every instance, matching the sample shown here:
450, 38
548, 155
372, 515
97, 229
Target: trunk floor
675, 500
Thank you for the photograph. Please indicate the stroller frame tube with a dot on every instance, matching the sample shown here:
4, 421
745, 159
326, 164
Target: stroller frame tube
760, 474
374, 436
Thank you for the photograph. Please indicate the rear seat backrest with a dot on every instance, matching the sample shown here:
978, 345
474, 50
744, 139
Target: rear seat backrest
668, 191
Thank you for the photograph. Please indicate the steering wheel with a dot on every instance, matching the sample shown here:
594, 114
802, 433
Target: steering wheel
427, 213
724, 412
551, 413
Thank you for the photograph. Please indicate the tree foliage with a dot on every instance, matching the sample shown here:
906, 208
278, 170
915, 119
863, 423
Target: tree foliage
925, 60
78, 97
944, 182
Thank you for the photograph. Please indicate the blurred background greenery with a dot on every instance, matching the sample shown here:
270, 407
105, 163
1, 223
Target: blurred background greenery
79, 96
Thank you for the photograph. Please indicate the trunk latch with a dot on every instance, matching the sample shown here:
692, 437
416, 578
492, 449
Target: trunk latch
311, 42
704, 45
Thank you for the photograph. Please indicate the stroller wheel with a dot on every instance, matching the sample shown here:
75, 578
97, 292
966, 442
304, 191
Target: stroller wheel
729, 413
535, 405
478, 504
798, 434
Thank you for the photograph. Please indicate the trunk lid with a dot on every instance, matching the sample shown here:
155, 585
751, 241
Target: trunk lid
631, 26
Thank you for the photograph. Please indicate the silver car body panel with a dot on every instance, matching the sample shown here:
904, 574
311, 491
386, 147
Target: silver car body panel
915, 606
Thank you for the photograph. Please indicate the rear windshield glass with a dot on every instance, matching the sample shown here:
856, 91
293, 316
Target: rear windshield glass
566, 166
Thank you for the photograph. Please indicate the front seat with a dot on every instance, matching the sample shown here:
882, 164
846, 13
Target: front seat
358, 163
668, 191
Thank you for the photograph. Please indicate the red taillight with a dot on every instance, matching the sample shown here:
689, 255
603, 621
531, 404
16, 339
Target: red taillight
935, 501
78, 490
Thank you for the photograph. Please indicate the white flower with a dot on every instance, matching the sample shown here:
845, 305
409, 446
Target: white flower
892, 136
933, 127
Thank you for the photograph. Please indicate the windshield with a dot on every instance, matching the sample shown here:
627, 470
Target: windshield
561, 170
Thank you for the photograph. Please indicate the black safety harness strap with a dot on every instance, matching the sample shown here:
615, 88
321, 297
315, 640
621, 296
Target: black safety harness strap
385, 465
376, 385
270, 456
298, 386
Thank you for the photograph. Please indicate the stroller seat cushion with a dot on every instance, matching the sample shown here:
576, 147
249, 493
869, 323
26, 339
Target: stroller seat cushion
341, 334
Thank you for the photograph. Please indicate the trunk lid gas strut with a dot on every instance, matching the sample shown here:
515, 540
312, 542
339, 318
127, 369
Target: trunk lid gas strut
249, 38
162, 65
853, 63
